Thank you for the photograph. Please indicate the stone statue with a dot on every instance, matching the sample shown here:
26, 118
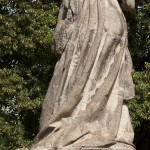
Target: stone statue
85, 105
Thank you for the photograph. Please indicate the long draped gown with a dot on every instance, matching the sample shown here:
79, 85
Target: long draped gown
85, 105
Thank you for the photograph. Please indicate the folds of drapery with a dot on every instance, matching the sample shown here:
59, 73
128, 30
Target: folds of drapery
84, 104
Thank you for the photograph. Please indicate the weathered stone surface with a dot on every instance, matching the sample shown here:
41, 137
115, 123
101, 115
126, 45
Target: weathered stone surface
21, 149
85, 102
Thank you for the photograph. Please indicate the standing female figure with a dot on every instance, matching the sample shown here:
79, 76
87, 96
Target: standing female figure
85, 105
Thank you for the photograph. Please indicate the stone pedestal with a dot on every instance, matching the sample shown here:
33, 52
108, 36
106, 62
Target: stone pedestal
118, 146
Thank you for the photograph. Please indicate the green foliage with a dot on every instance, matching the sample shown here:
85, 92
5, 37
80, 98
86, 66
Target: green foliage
139, 31
139, 46
140, 108
11, 95
26, 66
140, 105
27, 63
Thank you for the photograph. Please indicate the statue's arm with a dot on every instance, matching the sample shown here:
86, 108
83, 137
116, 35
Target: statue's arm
127, 5
60, 28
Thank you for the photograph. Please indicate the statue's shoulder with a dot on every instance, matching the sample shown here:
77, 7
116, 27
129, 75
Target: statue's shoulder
127, 5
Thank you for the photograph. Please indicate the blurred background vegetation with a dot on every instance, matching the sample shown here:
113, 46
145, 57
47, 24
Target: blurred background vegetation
27, 62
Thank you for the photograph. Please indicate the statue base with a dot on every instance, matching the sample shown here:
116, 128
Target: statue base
117, 146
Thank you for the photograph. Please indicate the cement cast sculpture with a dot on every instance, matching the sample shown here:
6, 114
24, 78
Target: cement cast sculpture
85, 105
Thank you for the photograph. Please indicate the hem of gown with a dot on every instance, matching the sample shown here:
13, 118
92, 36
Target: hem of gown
117, 146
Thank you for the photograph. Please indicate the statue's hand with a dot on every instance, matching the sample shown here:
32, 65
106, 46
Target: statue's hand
127, 5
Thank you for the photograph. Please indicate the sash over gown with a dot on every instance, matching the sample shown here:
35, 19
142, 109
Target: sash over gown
85, 103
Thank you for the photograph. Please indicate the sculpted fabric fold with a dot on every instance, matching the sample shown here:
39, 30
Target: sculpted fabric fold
85, 103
